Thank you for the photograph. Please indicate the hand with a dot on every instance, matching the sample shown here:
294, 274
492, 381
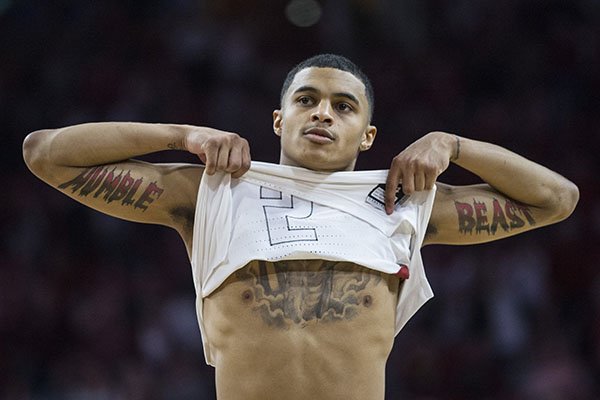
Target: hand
219, 150
419, 165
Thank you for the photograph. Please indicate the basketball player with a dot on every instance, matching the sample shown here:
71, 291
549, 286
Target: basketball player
307, 328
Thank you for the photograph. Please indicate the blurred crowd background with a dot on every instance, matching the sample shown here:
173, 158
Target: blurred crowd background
96, 308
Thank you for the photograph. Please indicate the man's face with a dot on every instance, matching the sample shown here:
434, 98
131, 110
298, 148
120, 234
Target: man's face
324, 120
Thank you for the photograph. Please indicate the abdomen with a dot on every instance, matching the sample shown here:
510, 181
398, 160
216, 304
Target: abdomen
302, 329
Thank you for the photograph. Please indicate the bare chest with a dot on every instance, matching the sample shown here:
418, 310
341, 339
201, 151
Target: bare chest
290, 294
270, 319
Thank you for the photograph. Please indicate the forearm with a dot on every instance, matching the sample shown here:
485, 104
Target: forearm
101, 143
514, 176
50, 153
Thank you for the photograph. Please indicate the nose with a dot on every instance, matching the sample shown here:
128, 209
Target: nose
322, 113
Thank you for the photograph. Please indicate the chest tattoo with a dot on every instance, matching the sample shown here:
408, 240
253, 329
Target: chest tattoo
298, 292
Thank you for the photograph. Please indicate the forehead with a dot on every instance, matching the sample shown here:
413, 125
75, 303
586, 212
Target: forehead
328, 80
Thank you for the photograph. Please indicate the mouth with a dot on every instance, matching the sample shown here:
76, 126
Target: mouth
319, 135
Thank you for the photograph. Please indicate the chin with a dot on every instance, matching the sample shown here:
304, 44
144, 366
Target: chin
317, 161
328, 166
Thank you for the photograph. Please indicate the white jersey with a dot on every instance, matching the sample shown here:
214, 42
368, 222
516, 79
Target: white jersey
276, 212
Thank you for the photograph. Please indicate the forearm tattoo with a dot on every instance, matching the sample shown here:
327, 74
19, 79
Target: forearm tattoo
112, 185
293, 295
473, 217
174, 146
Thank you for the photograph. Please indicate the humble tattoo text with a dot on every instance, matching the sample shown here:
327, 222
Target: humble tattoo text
110, 185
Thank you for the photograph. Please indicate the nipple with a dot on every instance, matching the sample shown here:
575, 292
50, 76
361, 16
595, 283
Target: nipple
247, 296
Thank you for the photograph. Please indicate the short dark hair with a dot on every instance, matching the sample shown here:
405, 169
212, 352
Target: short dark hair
331, 61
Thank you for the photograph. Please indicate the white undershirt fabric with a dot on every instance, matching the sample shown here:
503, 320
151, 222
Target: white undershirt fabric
277, 212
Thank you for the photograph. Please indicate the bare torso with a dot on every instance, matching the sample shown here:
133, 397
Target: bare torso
302, 330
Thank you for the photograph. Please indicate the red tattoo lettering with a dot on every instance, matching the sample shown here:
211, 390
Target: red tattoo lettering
113, 187
122, 189
93, 181
80, 179
515, 220
129, 200
481, 216
150, 191
525, 211
109, 184
513, 215
498, 218
466, 222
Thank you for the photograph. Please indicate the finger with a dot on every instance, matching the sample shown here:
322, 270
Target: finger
245, 163
235, 160
419, 181
430, 180
210, 158
391, 185
223, 158
408, 182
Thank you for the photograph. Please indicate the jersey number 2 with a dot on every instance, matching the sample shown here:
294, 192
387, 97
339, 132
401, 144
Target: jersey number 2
287, 217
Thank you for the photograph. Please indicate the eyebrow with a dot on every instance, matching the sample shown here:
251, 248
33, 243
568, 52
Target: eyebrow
349, 96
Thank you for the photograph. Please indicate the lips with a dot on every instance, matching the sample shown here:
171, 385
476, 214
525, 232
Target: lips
319, 135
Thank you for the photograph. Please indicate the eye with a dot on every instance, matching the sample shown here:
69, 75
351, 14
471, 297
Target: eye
344, 107
305, 100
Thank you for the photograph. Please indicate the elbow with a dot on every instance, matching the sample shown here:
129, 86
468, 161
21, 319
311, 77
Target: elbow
566, 200
34, 153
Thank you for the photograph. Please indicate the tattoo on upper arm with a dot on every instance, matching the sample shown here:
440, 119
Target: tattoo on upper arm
474, 217
111, 185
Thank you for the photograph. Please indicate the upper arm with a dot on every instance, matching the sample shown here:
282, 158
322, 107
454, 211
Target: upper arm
479, 213
133, 190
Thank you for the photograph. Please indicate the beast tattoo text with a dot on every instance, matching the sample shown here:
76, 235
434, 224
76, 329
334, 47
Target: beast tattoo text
474, 217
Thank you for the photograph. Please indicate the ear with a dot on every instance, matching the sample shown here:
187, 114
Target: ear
368, 138
277, 122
